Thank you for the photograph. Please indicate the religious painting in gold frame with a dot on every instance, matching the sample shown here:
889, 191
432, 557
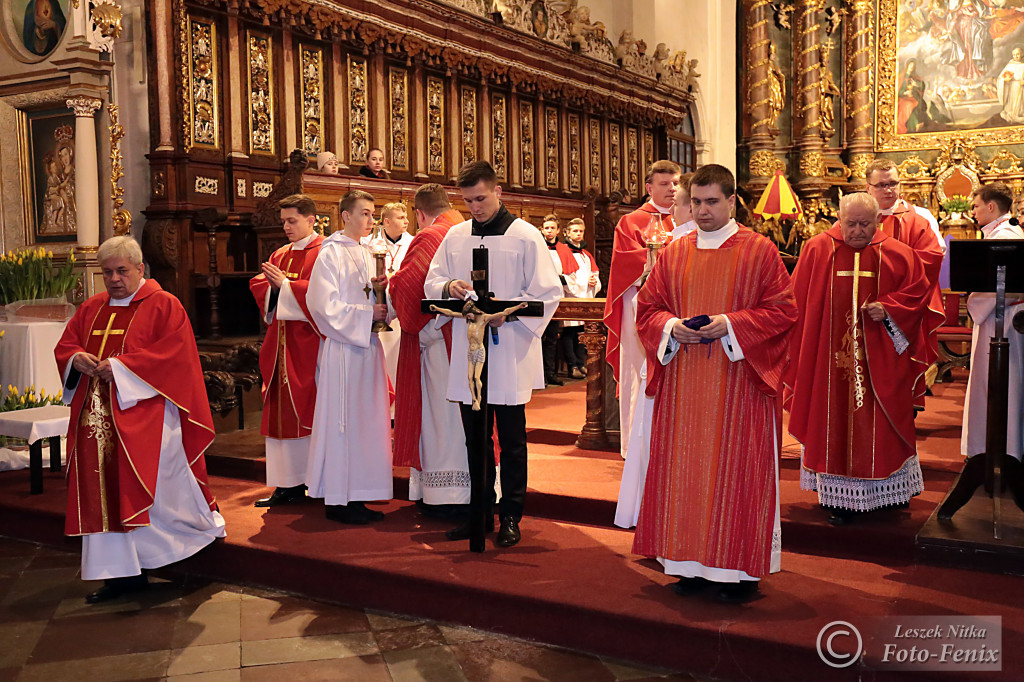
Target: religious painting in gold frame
47, 152
947, 72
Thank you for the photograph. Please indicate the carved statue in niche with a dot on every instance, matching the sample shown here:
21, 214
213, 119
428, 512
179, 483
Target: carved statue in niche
625, 46
776, 90
827, 89
327, 162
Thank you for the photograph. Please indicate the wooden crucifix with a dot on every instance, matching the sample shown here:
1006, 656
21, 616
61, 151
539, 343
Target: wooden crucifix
483, 310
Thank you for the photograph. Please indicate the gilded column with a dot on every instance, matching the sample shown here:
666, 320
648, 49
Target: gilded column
485, 126
758, 103
418, 120
378, 105
292, 110
234, 90
860, 145
810, 144
540, 153
87, 186
340, 117
515, 140
162, 17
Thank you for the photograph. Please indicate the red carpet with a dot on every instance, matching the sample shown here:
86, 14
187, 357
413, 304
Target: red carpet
578, 585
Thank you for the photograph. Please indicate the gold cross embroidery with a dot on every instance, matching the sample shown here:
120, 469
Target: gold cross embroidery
106, 333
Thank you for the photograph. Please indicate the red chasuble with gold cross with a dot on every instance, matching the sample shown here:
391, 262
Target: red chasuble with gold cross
114, 454
289, 352
849, 391
710, 489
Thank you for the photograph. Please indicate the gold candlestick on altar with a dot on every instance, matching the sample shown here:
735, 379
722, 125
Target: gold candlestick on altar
379, 250
656, 238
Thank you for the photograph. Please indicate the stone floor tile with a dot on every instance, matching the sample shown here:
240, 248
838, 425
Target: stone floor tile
106, 634
17, 640
34, 595
354, 669
427, 664
318, 647
414, 637
455, 634
10, 547
389, 621
9, 674
206, 658
287, 616
630, 671
216, 676
137, 666
213, 622
14, 565
53, 559
498, 660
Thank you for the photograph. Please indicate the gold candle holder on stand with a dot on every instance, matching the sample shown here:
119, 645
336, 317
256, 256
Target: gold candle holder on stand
657, 238
379, 250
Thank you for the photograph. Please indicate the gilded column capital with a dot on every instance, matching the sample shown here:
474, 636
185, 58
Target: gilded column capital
83, 105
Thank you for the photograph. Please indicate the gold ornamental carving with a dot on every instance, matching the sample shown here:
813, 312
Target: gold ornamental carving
1005, 162
357, 117
575, 153
648, 150
551, 146
615, 152
827, 90
121, 218
468, 125
527, 144
913, 168
595, 153
435, 126
200, 78
499, 136
763, 163
398, 95
106, 17
312, 61
84, 106
261, 95
159, 183
859, 165
633, 163
812, 165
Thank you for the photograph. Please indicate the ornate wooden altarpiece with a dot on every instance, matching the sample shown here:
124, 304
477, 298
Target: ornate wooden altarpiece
560, 115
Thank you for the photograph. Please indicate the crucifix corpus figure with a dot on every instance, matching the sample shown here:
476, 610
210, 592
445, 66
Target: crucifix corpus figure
476, 322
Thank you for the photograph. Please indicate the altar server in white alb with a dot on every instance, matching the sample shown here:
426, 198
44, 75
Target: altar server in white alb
140, 423
395, 232
991, 206
519, 270
350, 451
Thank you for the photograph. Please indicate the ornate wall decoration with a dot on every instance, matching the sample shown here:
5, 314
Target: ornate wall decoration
159, 184
633, 163
357, 117
240, 189
648, 150
812, 165
499, 135
121, 218
763, 163
261, 95
200, 72
435, 126
205, 185
615, 154
595, 152
526, 144
312, 99
468, 124
575, 154
261, 190
323, 224
859, 164
1005, 162
398, 94
551, 146
947, 97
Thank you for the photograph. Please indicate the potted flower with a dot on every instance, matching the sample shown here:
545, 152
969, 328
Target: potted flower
32, 287
956, 205
956, 223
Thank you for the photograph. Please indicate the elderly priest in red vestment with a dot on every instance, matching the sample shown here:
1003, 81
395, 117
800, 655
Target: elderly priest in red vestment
859, 358
714, 318
288, 355
140, 423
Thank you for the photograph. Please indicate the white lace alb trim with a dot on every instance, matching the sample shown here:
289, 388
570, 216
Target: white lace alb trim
858, 494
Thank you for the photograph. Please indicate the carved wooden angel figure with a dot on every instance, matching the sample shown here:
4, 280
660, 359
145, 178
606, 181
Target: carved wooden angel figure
691, 74
776, 90
827, 89
476, 325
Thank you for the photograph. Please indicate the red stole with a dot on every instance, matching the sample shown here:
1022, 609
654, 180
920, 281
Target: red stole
629, 258
405, 288
289, 352
849, 394
569, 264
710, 490
114, 455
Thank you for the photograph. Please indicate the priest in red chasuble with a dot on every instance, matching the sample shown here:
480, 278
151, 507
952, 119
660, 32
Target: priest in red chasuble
859, 357
625, 353
714, 317
288, 355
140, 423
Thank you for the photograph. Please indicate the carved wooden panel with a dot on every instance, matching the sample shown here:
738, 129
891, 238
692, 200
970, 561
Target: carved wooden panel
435, 126
575, 153
398, 95
261, 95
551, 146
499, 136
595, 154
200, 75
614, 156
648, 151
357, 116
312, 99
633, 163
468, 124
526, 144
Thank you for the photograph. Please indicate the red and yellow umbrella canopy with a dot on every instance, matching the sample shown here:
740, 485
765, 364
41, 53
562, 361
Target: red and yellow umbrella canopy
778, 200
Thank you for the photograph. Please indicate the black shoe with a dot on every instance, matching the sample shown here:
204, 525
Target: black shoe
552, 380
509, 534
116, 587
462, 531
972, 476
283, 496
355, 513
841, 517
689, 586
738, 593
